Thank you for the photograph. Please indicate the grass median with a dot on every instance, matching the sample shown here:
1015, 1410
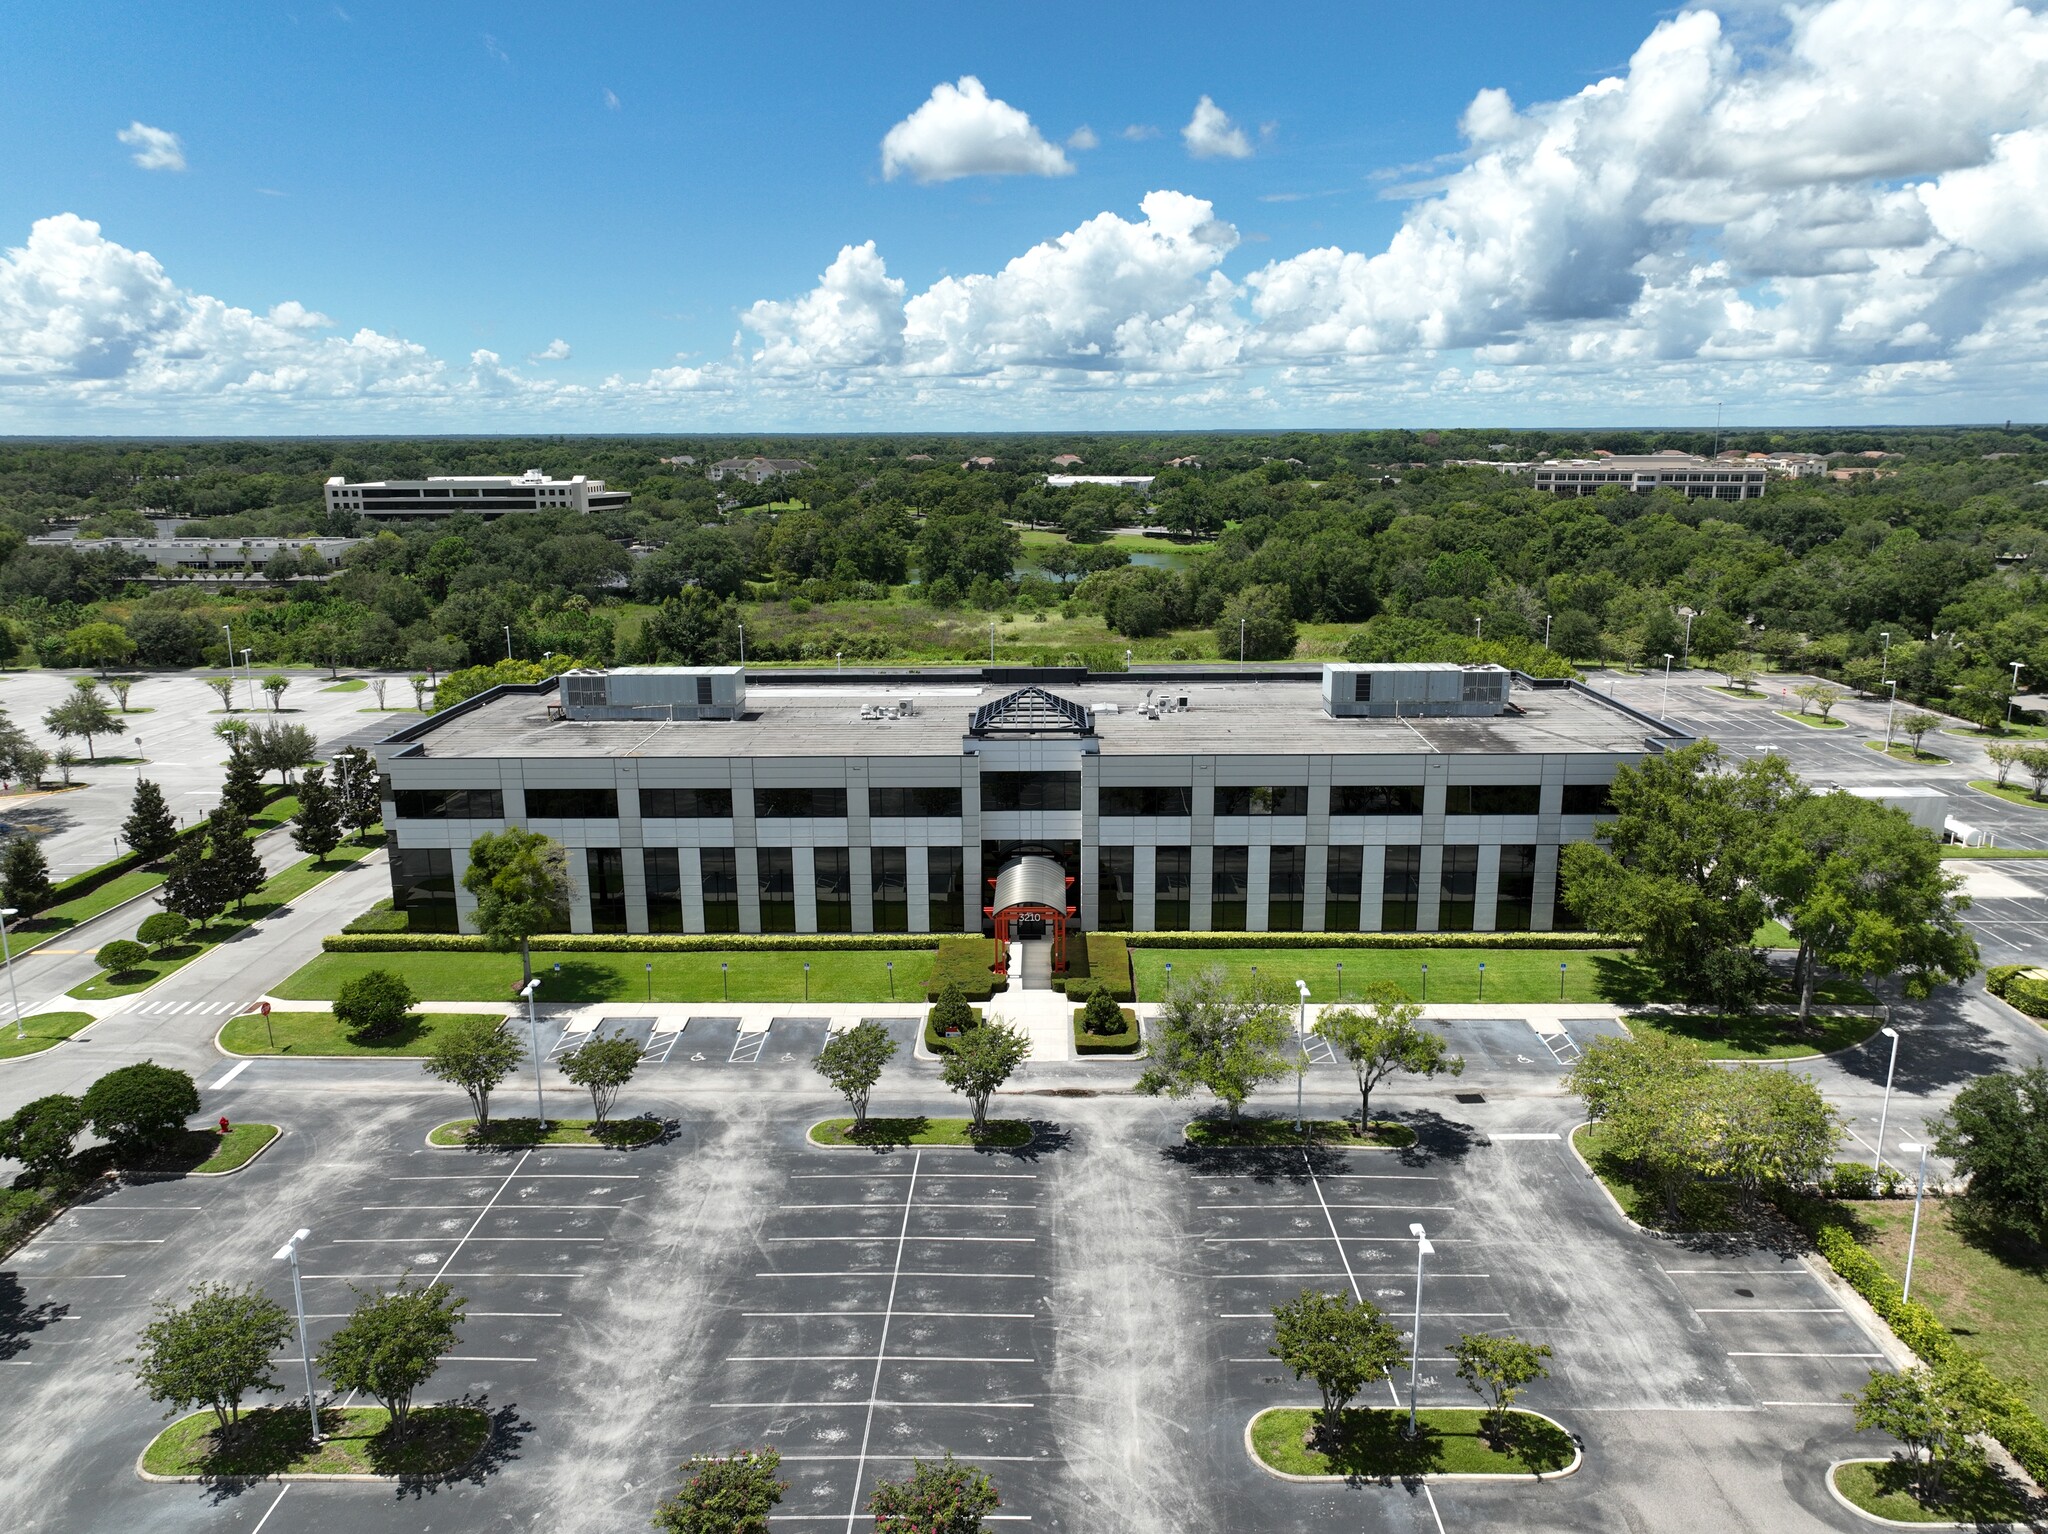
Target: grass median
1372, 1444
40, 1032
1971, 1495
1262, 1132
1811, 721
2009, 793
887, 1133
356, 1440
519, 1134
835, 976
322, 1033
1907, 754
1759, 1036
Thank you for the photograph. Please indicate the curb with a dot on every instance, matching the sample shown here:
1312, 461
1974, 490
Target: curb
438, 1478
1869, 1517
1578, 1459
811, 1144
1571, 1138
536, 1146
253, 1159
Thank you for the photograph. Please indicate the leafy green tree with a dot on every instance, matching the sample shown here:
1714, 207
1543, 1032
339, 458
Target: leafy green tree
393, 1343
1497, 1368
1983, 696
213, 1350
951, 1013
357, 790
1656, 1098
1936, 1423
223, 689
149, 830
234, 866
373, 1003
852, 1061
163, 929
1740, 667
280, 747
1260, 621
1819, 697
316, 825
121, 956
243, 787
40, 1133
2005, 755
691, 628
189, 886
83, 715
1342, 1343
602, 1067
120, 687
937, 1497
475, 1054
1775, 1129
140, 1108
725, 1494
521, 882
99, 644
25, 874
2034, 762
1101, 1014
1217, 1033
1863, 891
1995, 1134
1914, 725
1387, 1039
979, 1064
21, 759
274, 687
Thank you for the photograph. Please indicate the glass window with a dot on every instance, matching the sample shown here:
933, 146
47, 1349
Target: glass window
832, 870
1286, 883
1514, 900
1401, 889
572, 804
1457, 889
1588, 799
946, 887
423, 886
1115, 879
449, 804
1492, 799
1376, 799
719, 872
1145, 801
1172, 888
1007, 791
605, 870
889, 884
800, 803
686, 804
661, 868
923, 803
775, 880
1230, 873
1285, 800
1343, 886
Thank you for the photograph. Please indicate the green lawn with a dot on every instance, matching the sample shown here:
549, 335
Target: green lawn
2011, 793
1811, 721
1970, 1495
320, 1033
1700, 1208
1747, 1036
353, 684
1513, 975
687, 977
1906, 753
1001, 1134
355, 1441
1748, 695
238, 1147
1990, 854
515, 1134
1373, 1445
1996, 1300
1264, 1131
67, 914
2014, 731
284, 886
41, 1031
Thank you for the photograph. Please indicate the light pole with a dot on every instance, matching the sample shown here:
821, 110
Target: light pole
1688, 614
991, 641
2014, 696
229, 630
1478, 621
743, 647
1546, 631
1877, 1159
1919, 1191
1891, 708
1664, 708
533, 1033
1240, 647
1884, 656
1422, 1249
7, 949
1300, 1049
289, 1252
508, 641
249, 671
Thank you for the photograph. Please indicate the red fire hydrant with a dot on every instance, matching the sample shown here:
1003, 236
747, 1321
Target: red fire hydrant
223, 1123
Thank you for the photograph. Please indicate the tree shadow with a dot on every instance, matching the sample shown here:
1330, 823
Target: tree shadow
19, 1320
580, 980
1941, 1045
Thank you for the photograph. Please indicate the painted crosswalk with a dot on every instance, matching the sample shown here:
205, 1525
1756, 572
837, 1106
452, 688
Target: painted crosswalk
186, 1009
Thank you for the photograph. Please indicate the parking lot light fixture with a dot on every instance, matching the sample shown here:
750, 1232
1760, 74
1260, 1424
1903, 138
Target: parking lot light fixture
1425, 984
807, 980
7, 948
892, 977
1340, 979
289, 1252
1877, 1156
2014, 696
1301, 1050
533, 1033
1422, 1249
1913, 1147
1891, 708
1664, 708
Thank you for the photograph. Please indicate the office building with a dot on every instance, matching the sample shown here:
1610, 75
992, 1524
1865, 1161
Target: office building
481, 495
1691, 476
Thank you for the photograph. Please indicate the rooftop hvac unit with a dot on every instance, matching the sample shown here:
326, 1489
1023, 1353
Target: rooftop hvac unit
655, 693
1414, 691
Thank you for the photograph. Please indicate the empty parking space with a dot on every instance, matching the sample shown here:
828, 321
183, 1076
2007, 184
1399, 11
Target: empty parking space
1785, 1332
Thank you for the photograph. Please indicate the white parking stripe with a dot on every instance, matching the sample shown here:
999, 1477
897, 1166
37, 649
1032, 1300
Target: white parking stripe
233, 1072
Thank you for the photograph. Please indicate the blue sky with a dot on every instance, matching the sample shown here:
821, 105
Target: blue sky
632, 180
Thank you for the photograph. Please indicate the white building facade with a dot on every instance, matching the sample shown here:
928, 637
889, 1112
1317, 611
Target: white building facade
482, 495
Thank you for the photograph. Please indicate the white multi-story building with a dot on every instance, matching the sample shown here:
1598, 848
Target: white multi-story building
482, 495
1691, 476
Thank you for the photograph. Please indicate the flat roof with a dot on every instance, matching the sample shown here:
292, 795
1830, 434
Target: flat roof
1227, 715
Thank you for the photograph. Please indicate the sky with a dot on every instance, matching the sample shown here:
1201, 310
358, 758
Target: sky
370, 218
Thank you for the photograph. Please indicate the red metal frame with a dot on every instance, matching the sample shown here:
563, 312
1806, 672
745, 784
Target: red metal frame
1004, 919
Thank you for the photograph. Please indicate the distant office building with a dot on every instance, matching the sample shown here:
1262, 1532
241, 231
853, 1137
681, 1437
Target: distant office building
1138, 482
1066, 460
1797, 465
204, 553
1693, 477
755, 471
482, 495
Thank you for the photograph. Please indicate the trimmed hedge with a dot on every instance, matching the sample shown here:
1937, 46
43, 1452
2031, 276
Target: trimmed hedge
640, 942
1101, 961
1551, 940
2019, 985
1125, 1042
937, 1042
966, 962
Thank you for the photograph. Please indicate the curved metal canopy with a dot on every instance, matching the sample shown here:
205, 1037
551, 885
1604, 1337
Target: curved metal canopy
1031, 880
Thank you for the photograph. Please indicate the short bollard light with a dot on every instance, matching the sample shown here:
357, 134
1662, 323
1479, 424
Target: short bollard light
1425, 982
1340, 979
1482, 982
725, 979
807, 980
892, 978
1560, 981
650, 982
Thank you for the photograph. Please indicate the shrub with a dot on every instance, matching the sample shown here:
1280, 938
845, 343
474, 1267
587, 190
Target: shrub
140, 1108
1850, 1179
356, 940
120, 956
373, 1003
1097, 960
163, 929
1503, 940
1102, 1014
951, 1013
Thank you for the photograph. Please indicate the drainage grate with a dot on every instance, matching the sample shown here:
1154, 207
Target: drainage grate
1470, 1097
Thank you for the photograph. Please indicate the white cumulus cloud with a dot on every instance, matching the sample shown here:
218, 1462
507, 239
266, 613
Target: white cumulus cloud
1211, 135
1083, 137
556, 350
961, 130
155, 148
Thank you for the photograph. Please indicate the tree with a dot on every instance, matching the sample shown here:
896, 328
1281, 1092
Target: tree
392, 1344
1983, 696
951, 1014
83, 715
1575, 636
602, 1067
1385, 1040
1217, 1033
1995, 1134
1342, 1343
213, 1350
1497, 1368
942, 1497
852, 1061
99, 644
1740, 667
243, 787
163, 929
373, 1003
149, 830
235, 868
1100, 1013
1818, 696
66, 759
316, 825
356, 789
21, 759
1863, 891
1915, 724
981, 1061
39, 1134
1922, 1408
1654, 1096
274, 685
1260, 621
2005, 755
189, 887
2034, 762
120, 687
224, 689
725, 1494
475, 1055
140, 1108
279, 747
521, 882
121, 956
420, 687
1775, 1128
25, 874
